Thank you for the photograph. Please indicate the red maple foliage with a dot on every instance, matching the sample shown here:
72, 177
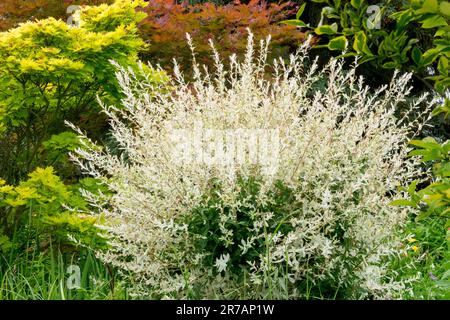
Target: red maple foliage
168, 22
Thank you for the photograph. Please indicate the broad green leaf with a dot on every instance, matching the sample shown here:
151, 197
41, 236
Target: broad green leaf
440, 33
403, 203
360, 43
443, 65
344, 19
339, 43
427, 143
429, 6
430, 55
444, 108
412, 187
347, 55
328, 12
434, 22
327, 29
367, 58
403, 18
446, 145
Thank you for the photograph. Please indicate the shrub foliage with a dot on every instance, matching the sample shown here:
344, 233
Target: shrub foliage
316, 224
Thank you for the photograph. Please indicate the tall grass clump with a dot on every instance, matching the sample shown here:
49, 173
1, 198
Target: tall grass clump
308, 217
37, 276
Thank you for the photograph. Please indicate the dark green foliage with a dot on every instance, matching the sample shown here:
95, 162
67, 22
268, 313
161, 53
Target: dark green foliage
206, 224
410, 36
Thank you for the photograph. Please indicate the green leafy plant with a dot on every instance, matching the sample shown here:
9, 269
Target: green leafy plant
429, 230
51, 210
435, 198
53, 72
35, 276
410, 36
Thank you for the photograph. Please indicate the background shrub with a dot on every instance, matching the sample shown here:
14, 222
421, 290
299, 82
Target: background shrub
53, 72
429, 229
410, 36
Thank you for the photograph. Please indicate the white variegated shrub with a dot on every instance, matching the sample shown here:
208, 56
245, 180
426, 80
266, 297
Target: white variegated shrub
242, 184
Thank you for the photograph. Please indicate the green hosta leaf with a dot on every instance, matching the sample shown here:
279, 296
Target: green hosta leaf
300, 11
366, 59
355, 19
347, 55
320, 1
427, 155
339, 43
443, 169
430, 149
434, 22
348, 31
327, 29
344, 20
442, 32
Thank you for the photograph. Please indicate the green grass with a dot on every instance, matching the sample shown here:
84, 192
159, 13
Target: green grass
45, 277
429, 261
